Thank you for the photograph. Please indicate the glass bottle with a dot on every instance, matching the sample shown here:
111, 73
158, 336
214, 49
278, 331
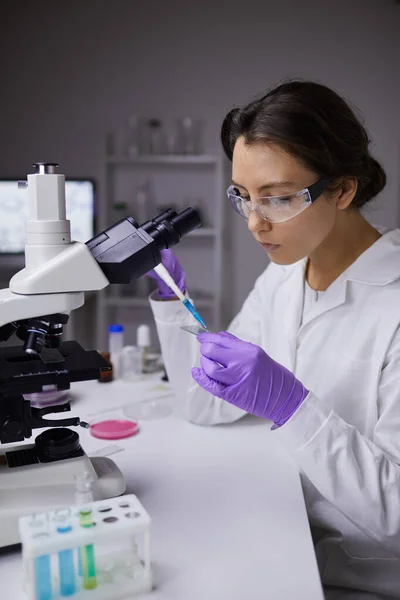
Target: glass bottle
156, 136
132, 145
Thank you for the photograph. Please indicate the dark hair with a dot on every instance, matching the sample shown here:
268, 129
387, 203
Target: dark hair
316, 125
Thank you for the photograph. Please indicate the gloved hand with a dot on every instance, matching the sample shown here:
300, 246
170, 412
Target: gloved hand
171, 263
244, 375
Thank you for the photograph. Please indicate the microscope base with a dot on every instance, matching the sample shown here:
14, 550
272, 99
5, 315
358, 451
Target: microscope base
41, 487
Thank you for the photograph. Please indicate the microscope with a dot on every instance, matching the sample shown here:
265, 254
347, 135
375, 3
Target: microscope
39, 476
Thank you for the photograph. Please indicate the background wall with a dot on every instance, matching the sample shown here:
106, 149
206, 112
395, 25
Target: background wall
72, 71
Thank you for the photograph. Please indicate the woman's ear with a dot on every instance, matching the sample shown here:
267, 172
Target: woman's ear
345, 192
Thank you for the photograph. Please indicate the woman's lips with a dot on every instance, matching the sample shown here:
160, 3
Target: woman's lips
270, 247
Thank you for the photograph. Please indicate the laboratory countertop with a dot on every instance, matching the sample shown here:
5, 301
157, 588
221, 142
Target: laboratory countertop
228, 514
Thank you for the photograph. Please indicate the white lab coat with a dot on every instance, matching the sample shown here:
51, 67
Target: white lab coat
345, 437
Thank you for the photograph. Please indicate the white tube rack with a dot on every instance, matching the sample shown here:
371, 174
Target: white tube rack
121, 538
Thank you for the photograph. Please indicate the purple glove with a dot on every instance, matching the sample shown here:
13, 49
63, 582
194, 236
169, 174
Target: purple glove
172, 264
244, 375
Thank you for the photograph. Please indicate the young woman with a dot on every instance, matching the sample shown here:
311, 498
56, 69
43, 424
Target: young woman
316, 345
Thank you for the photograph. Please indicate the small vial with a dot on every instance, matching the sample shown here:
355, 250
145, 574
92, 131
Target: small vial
66, 567
106, 376
115, 345
143, 342
132, 565
131, 363
42, 564
87, 552
132, 147
106, 573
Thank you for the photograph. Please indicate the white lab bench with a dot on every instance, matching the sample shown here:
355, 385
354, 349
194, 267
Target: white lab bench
229, 520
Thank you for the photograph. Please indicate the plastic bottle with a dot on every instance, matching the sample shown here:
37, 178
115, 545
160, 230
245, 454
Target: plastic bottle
115, 345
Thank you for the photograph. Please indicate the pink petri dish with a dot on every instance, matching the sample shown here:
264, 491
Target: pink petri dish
114, 429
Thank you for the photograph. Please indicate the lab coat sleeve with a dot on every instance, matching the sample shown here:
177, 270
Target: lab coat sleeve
181, 352
358, 475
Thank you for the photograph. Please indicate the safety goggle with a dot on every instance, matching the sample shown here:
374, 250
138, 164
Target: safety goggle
277, 209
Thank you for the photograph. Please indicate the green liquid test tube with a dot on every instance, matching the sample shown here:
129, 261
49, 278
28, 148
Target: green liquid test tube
87, 553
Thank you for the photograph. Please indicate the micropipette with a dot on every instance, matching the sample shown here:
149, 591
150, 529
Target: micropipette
166, 277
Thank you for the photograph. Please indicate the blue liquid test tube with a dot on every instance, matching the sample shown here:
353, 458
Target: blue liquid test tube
43, 577
65, 557
42, 563
80, 568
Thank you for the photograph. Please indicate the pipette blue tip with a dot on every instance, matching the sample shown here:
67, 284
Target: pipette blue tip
194, 312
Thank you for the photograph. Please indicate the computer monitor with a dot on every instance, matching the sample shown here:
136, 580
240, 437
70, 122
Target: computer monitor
80, 209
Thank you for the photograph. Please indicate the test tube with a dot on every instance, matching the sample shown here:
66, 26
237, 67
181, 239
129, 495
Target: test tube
132, 561
65, 557
87, 552
42, 564
83, 488
83, 495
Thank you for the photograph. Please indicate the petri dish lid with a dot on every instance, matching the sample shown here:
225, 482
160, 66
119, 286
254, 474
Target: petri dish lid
148, 410
113, 429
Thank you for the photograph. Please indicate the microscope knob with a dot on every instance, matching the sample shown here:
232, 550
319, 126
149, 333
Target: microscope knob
12, 429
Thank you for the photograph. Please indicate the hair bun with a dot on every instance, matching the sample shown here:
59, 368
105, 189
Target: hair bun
375, 178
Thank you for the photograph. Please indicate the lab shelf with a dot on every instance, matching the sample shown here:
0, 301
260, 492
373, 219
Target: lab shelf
201, 173
180, 160
135, 302
204, 232
126, 301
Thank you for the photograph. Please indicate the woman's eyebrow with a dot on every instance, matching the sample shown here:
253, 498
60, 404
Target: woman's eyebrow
266, 186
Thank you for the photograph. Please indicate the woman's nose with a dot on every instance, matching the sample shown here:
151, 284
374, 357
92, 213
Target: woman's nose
256, 223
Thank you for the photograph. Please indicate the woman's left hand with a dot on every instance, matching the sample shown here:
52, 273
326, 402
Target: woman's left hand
244, 375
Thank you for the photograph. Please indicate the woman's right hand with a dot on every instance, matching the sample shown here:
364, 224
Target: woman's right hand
174, 268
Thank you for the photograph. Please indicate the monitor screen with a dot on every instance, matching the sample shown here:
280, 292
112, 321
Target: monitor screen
80, 207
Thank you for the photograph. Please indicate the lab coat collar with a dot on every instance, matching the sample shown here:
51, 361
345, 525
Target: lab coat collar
378, 265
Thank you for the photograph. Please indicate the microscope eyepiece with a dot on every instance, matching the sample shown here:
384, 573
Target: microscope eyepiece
168, 228
127, 250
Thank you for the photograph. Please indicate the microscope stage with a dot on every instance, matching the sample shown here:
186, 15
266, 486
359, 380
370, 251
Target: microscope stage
23, 373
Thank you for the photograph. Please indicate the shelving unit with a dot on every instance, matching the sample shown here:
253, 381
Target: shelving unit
201, 159
175, 179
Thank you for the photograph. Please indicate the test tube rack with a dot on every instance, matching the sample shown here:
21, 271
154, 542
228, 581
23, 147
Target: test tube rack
120, 538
